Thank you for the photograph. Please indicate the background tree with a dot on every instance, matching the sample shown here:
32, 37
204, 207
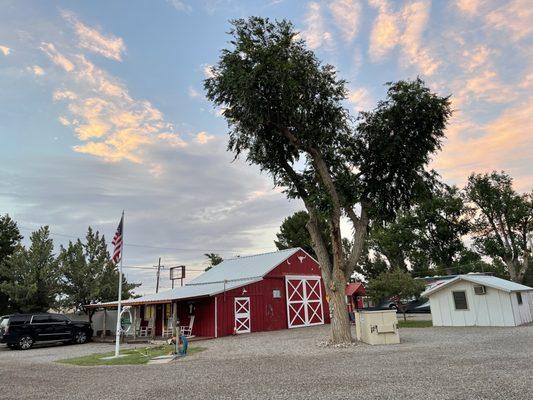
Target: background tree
10, 238
32, 276
285, 111
293, 233
214, 259
503, 224
397, 285
88, 275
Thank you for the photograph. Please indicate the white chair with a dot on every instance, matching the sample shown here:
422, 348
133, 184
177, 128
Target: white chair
146, 329
187, 330
167, 332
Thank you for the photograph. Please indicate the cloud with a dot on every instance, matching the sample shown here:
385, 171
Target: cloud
193, 93
5, 50
347, 14
180, 5
514, 18
504, 142
203, 137
89, 38
404, 29
64, 121
108, 121
38, 71
56, 57
64, 94
361, 99
469, 7
200, 200
315, 33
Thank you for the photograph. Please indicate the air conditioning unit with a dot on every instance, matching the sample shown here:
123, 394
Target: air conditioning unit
480, 289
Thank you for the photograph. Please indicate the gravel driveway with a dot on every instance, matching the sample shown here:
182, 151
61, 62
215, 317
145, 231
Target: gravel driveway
430, 363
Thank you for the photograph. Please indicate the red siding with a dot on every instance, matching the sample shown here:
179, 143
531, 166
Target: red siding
266, 312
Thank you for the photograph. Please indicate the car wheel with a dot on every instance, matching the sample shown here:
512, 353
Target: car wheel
393, 307
80, 337
25, 342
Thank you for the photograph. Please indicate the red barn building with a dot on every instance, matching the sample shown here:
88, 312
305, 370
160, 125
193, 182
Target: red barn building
263, 292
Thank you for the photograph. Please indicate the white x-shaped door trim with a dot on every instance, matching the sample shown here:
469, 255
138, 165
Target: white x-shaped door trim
242, 315
304, 301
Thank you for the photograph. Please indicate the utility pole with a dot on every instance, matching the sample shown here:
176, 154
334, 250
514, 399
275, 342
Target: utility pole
158, 266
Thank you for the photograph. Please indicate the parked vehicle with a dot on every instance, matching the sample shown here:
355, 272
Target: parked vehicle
22, 331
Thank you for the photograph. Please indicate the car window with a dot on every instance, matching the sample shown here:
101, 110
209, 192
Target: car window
3, 323
18, 319
58, 318
41, 319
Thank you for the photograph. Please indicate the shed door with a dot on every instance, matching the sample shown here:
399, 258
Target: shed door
304, 301
242, 315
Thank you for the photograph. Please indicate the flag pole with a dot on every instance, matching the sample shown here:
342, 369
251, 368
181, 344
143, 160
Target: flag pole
117, 337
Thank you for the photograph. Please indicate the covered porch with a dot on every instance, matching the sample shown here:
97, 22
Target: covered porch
154, 320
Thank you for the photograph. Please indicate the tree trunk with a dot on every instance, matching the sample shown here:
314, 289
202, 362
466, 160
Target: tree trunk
340, 322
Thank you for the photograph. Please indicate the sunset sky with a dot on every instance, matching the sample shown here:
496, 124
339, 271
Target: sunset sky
102, 109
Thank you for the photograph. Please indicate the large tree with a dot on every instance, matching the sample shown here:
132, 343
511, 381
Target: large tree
88, 275
503, 224
10, 238
286, 113
31, 275
429, 236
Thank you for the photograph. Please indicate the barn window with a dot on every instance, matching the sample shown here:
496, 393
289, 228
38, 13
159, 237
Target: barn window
519, 297
276, 293
459, 298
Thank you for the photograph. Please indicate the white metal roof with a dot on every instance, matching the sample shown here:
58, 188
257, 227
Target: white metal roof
485, 280
227, 275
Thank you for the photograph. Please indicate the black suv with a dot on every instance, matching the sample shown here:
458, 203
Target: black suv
21, 331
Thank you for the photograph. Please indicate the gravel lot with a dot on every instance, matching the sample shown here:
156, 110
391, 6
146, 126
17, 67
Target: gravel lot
430, 363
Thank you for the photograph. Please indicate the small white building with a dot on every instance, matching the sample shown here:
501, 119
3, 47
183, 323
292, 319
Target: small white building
480, 300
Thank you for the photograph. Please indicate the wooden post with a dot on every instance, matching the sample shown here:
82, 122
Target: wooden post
134, 322
104, 328
175, 326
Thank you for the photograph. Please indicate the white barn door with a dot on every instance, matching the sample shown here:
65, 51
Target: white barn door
304, 301
242, 315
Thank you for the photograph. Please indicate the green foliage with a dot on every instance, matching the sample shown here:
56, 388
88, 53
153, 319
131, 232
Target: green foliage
397, 285
415, 324
10, 238
293, 233
503, 224
285, 111
214, 259
88, 275
136, 356
429, 235
32, 275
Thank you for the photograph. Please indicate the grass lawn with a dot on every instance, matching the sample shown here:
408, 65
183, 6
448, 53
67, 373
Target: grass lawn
414, 324
138, 355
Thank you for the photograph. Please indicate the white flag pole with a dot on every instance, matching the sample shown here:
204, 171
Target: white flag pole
117, 337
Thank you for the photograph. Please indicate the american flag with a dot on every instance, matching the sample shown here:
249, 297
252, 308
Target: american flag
117, 242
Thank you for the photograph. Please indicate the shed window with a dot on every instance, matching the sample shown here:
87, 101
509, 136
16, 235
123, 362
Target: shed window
519, 297
459, 298
276, 293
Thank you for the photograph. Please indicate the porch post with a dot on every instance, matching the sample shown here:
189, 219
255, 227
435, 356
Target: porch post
104, 324
134, 322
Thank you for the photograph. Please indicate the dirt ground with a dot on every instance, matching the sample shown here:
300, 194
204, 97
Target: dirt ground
430, 363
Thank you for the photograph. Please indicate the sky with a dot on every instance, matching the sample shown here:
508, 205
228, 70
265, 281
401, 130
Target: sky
103, 110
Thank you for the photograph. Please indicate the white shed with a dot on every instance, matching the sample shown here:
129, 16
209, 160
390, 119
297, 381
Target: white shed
480, 300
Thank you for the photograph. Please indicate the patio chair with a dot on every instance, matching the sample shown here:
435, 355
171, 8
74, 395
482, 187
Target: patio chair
187, 330
145, 329
167, 332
